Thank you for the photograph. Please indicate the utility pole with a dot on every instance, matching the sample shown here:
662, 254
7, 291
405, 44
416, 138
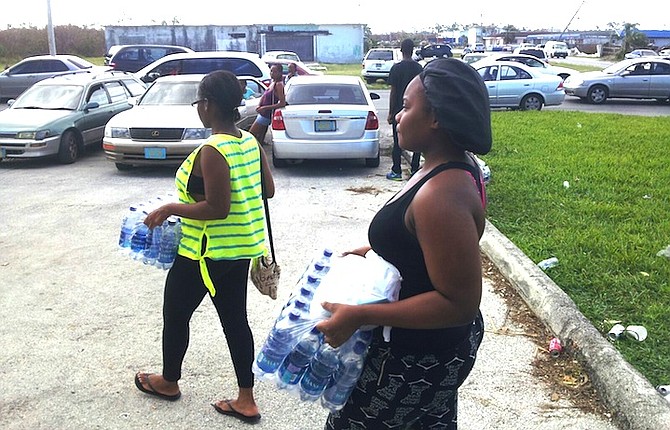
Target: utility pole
570, 22
50, 30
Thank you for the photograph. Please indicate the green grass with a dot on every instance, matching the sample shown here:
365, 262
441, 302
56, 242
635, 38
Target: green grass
605, 228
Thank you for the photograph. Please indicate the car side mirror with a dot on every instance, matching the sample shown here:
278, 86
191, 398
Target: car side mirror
91, 105
374, 96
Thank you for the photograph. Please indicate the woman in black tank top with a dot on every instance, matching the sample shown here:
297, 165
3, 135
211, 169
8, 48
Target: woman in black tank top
430, 231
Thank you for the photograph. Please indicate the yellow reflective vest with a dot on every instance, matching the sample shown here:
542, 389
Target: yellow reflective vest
241, 235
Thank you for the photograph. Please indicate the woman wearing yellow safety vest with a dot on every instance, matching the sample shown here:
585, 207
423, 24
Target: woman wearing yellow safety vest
223, 228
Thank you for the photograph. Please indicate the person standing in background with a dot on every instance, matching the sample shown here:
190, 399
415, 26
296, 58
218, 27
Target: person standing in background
292, 71
399, 77
273, 98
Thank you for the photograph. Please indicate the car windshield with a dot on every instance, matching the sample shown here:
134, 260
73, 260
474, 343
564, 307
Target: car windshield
170, 93
81, 63
381, 55
616, 67
50, 97
301, 94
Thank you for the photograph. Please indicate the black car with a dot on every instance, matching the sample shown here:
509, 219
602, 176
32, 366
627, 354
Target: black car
538, 53
435, 50
131, 58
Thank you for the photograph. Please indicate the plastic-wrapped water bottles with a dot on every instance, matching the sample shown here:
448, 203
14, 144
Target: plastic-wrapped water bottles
294, 365
153, 244
317, 376
130, 220
344, 381
278, 344
138, 239
167, 251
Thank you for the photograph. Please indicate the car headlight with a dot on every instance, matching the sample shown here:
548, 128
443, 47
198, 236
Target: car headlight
196, 133
117, 132
33, 135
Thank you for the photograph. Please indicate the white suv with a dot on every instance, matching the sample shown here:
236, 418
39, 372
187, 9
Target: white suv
377, 63
556, 49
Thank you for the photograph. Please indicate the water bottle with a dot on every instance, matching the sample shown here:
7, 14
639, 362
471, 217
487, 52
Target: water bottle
344, 381
548, 263
294, 365
168, 245
317, 376
277, 346
152, 247
139, 239
130, 219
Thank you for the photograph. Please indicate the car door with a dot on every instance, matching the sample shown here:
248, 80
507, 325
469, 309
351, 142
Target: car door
490, 75
634, 81
660, 80
513, 84
93, 120
251, 100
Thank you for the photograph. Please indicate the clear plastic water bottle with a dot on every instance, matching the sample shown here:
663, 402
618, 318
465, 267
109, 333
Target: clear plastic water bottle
130, 219
548, 263
277, 346
153, 244
139, 239
168, 245
344, 381
317, 376
294, 365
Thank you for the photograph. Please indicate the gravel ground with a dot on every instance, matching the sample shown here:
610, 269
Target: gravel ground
79, 318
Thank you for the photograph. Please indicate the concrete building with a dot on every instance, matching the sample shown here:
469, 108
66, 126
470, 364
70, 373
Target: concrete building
324, 43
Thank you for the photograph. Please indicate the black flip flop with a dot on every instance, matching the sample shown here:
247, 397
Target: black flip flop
233, 413
152, 391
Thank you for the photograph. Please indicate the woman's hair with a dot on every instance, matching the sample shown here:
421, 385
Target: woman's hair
223, 89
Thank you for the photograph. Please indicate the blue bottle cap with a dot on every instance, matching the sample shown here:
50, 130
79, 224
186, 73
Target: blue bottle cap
328, 252
359, 347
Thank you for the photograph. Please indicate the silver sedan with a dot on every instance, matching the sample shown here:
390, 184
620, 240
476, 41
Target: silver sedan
638, 78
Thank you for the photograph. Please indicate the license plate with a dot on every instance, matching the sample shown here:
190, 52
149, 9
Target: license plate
155, 153
324, 125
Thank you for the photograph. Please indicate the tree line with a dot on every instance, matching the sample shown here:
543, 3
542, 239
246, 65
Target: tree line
18, 43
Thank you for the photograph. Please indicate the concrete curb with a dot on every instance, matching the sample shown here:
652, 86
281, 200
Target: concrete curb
633, 400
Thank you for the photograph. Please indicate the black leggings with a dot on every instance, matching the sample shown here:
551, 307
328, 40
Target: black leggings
184, 291
403, 390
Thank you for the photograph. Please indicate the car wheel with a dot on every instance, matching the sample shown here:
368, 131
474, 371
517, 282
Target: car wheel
68, 151
372, 162
278, 162
123, 167
597, 94
531, 102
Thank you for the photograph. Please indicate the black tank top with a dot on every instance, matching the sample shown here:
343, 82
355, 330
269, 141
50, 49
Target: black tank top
390, 239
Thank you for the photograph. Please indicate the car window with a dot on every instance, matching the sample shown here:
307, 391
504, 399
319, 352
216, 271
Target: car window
97, 94
254, 90
170, 93
489, 73
79, 63
25, 68
380, 55
116, 91
325, 94
134, 88
661, 69
508, 73
131, 54
153, 54
53, 66
639, 69
239, 66
288, 57
50, 97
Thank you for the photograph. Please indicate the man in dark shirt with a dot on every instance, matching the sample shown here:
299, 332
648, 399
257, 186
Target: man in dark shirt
399, 77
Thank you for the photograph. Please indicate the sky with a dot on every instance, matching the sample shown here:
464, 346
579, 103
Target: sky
529, 14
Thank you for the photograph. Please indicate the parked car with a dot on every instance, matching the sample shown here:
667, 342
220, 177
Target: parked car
638, 78
530, 61
291, 56
300, 67
132, 58
473, 57
377, 63
537, 53
201, 63
556, 49
60, 116
436, 50
665, 53
637, 53
516, 86
326, 117
19, 77
110, 53
164, 128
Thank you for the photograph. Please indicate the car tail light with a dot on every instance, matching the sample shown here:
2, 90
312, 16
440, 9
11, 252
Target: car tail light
267, 82
278, 121
560, 86
372, 122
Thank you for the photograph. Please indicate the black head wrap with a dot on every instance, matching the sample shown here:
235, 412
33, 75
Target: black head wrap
460, 101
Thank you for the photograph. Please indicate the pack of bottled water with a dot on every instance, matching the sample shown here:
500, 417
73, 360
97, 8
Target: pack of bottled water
294, 355
155, 247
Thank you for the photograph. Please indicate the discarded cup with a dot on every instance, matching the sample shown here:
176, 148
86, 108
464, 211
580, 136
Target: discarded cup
555, 347
566, 184
636, 332
616, 331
